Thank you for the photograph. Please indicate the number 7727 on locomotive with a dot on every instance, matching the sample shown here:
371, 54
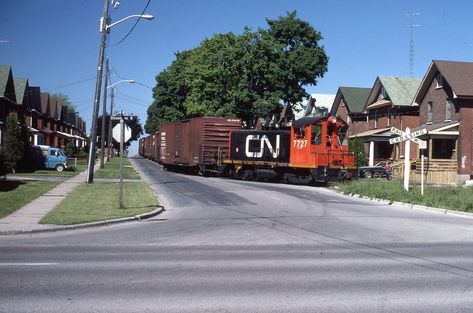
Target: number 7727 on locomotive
313, 149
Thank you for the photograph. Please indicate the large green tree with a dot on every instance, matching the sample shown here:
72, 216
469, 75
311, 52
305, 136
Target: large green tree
246, 76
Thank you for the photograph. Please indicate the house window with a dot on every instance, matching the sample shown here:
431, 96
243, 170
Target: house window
384, 94
348, 119
429, 113
439, 79
389, 117
448, 110
375, 119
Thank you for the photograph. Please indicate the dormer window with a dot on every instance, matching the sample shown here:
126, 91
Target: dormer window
439, 79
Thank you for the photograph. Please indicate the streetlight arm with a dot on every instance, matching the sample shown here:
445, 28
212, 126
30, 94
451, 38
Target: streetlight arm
145, 16
131, 81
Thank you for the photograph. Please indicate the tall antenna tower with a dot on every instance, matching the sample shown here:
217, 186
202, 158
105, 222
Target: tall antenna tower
411, 25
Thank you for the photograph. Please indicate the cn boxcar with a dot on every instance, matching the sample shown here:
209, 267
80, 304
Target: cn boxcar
195, 145
314, 149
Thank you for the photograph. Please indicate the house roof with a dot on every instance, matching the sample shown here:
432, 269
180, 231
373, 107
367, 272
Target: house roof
4, 74
45, 106
400, 90
6, 78
354, 98
20, 88
458, 76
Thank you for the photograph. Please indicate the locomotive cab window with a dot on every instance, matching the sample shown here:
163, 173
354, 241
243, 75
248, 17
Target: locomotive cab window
330, 129
342, 136
299, 132
316, 135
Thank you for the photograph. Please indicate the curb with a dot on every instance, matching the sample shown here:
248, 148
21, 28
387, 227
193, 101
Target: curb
138, 218
411, 206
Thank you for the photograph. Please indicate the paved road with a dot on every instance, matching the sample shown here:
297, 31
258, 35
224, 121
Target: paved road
234, 246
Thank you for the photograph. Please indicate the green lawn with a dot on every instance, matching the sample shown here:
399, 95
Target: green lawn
112, 169
16, 194
100, 201
73, 169
449, 197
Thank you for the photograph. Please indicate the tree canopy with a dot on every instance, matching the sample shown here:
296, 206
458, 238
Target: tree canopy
64, 99
245, 76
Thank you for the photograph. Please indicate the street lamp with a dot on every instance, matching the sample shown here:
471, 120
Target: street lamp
104, 29
109, 139
131, 81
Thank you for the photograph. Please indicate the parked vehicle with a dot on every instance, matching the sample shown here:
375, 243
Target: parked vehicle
52, 158
379, 170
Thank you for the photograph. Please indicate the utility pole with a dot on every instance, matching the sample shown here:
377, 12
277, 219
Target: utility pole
98, 86
411, 25
110, 144
122, 142
104, 116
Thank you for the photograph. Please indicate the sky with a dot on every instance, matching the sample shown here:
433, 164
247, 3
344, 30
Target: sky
55, 43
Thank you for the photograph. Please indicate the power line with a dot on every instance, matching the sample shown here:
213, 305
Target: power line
134, 25
70, 84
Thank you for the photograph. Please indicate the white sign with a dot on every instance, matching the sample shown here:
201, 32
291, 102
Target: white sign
403, 136
116, 132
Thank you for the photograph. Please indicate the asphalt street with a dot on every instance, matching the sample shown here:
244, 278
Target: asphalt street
236, 246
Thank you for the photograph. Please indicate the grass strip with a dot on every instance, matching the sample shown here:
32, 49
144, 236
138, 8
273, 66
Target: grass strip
457, 198
100, 201
16, 194
112, 169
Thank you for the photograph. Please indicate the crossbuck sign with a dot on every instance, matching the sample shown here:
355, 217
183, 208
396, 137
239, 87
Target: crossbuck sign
406, 136
403, 136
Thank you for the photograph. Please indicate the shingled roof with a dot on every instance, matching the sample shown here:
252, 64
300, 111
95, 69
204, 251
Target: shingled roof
7, 88
458, 75
400, 91
20, 88
354, 98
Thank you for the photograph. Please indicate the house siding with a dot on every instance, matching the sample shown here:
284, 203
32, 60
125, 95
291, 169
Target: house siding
465, 146
438, 97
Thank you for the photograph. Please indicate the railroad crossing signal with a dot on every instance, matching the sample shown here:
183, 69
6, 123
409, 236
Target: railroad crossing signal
406, 136
403, 136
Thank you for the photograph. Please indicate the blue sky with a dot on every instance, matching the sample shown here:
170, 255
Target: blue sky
54, 43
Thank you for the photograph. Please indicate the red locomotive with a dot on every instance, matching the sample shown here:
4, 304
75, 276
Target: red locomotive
312, 149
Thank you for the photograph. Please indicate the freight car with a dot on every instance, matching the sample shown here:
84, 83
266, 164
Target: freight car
314, 149
196, 145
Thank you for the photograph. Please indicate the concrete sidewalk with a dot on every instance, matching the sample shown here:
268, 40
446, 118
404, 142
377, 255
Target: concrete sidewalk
27, 218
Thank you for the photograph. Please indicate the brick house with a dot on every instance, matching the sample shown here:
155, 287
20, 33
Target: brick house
389, 104
349, 105
48, 121
445, 102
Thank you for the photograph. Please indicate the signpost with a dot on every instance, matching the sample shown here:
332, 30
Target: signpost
121, 133
407, 136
